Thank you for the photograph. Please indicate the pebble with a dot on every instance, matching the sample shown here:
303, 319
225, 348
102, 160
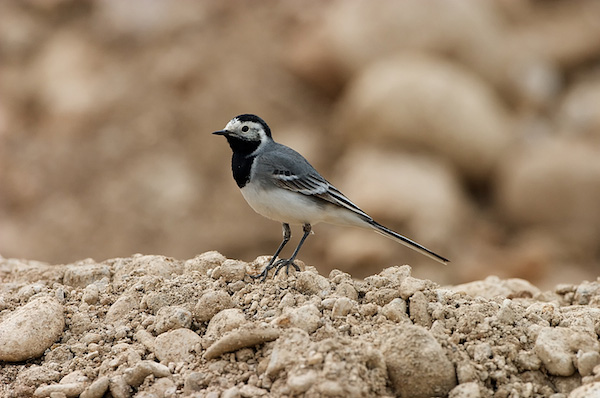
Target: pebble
203, 262
97, 389
91, 294
172, 317
307, 318
556, 347
120, 311
466, 390
176, 345
135, 376
410, 286
417, 364
591, 390
84, 275
230, 271
28, 331
211, 303
299, 383
309, 282
247, 335
395, 310
343, 306
221, 323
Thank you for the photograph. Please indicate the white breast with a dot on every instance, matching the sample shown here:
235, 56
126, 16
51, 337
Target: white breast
295, 208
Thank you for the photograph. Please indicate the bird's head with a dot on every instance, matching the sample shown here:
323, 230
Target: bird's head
246, 128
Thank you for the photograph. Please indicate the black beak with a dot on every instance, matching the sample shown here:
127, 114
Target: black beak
221, 132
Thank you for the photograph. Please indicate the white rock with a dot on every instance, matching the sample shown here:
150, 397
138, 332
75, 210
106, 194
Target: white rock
586, 391
148, 265
172, 317
301, 382
492, 286
392, 100
343, 306
466, 390
554, 347
85, 274
395, 310
176, 345
221, 323
310, 282
210, 303
307, 318
122, 309
535, 189
97, 388
30, 330
417, 364
230, 271
205, 261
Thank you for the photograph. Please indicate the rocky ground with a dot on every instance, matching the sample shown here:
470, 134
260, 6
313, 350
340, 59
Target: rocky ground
152, 326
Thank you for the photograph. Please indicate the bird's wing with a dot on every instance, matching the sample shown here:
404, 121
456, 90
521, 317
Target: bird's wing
289, 170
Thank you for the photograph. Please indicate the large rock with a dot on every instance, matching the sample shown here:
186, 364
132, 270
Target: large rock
426, 102
417, 365
555, 185
31, 329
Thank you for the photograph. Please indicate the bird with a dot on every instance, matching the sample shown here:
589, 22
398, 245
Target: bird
280, 184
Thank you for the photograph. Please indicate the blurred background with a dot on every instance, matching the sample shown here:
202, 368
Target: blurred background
470, 126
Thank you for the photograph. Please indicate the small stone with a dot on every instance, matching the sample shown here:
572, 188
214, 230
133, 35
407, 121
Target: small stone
91, 294
210, 303
136, 375
85, 274
122, 309
309, 282
97, 389
232, 392
347, 289
230, 271
307, 318
299, 383
28, 331
410, 286
172, 317
221, 323
176, 345
382, 296
343, 306
247, 335
195, 381
395, 310
466, 390
205, 261
586, 362
418, 309
552, 348
417, 364
586, 391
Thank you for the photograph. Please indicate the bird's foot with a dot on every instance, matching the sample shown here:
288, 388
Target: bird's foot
279, 264
285, 263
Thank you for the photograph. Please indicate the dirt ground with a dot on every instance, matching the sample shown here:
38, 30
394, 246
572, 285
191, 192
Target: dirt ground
152, 326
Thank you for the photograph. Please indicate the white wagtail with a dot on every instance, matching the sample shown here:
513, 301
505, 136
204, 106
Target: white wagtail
278, 183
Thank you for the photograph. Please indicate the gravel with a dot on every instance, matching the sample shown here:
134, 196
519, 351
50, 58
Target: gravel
127, 328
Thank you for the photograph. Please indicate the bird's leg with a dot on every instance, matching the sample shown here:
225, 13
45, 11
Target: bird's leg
287, 234
290, 261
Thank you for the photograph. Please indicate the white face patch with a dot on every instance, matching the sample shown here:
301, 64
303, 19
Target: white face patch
254, 131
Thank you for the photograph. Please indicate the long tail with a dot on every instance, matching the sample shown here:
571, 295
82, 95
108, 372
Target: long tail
388, 233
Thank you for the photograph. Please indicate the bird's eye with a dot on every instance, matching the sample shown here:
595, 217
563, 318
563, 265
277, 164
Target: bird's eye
245, 128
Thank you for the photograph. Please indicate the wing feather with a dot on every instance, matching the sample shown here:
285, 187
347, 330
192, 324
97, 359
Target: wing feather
315, 185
